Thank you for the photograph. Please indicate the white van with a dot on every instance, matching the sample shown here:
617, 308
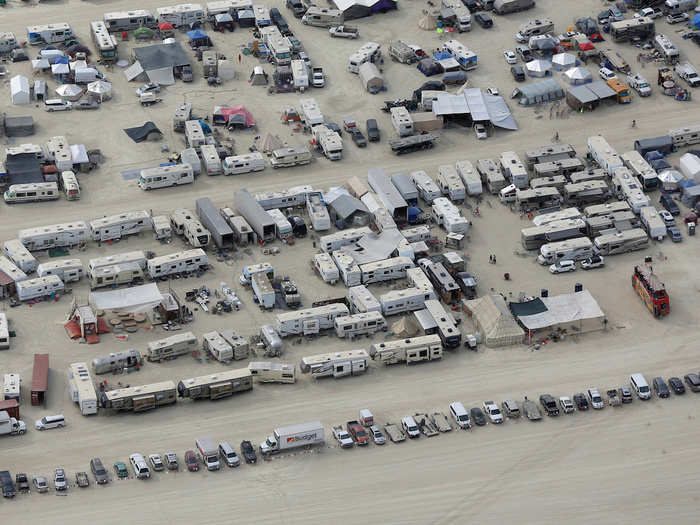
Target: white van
244, 163
47, 422
229, 455
460, 415
138, 463
640, 386
70, 185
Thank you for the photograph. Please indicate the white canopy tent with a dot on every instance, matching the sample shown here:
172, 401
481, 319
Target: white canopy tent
538, 68
100, 90
563, 61
578, 75
19, 90
135, 299
69, 92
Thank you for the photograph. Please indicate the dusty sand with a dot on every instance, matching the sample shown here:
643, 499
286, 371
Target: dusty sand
625, 465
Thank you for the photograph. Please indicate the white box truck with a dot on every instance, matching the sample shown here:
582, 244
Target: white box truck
209, 453
286, 438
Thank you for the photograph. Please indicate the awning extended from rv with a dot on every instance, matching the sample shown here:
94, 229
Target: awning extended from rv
135, 299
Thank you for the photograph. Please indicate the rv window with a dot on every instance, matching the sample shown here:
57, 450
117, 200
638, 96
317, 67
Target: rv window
423, 353
340, 368
20, 194
31, 194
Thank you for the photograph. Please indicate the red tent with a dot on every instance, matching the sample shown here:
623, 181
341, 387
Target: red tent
165, 26
586, 46
226, 113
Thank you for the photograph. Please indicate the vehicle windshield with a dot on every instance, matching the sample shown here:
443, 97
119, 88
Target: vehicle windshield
463, 418
495, 411
361, 433
644, 389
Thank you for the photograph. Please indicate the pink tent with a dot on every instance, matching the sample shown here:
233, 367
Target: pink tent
223, 115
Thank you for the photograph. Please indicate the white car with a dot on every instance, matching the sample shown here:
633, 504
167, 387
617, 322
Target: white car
59, 479
677, 18
606, 74
377, 435
510, 57
563, 267
480, 131
56, 104
343, 437
493, 412
156, 462
667, 218
567, 406
596, 399
590, 263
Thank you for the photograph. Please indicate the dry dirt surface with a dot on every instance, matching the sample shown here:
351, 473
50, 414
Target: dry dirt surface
632, 464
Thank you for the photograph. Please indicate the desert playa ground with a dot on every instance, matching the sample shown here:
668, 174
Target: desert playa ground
636, 464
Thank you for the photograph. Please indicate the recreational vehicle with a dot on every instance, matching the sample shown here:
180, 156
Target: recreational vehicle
262, 16
605, 156
182, 15
354, 325
559, 215
411, 350
289, 157
668, 50
310, 112
291, 198
626, 186
4, 332
533, 199
246, 163
263, 291
217, 347
612, 223
348, 269
309, 321
116, 274
39, 287
447, 215
322, 17
686, 136
450, 183
586, 192
361, 300
211, 160
652, 222
249, 271
466, 58
589, 174
120, 21
534, 27
622, 242
187, 261
115, 227
326, 268
161, 228
170, 347
194, 134
70, 186
55, 236
69, 270
407, 300
605, 209
334, 241
11, 387
139, 398
137, 257
549, 153
10, 269
318, 213
402, 121
470, 177
445, 325
443, 282
18, 254
405, 187
336, 364
417, 277
166, 176
268, 372
534, 237
82, 389
572, 249
386, 270
491, 175
427, 189
49, 34
238, 343
37, 191
554, 181
105, 43
117, 361
513, 169
641, 169
196, 234
369, 52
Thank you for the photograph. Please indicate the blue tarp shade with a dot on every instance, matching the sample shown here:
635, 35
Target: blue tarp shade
197, 34
61, 60
650, 156
441, 55
660, 164
205, 127
696, 21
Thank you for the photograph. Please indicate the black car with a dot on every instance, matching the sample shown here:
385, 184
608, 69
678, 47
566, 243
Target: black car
297, 8
334, 127
430, 85
472, 5
581, 401
98, 470
373, 133
248, 452
676, 385
667, 202
358, 138
626, 394
660, 387
518, 73
549, 405
278, 20
693, 381
478, 416
483, 20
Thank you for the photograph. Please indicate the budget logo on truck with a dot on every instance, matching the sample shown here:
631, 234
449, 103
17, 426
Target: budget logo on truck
306, 437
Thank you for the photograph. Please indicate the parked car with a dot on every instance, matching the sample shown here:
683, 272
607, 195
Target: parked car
667, 218
120, 469
248, 452
86, 103
151, 87
98, 470
477, 416
677, 18
156, 462
693, 382
377, 435
480, 131
373, 133
596, 399
510, 408
334, 127
40, 483
191, 461
358, 138
491, 409
626, 394
22, 482
581, 401
483, 19
676, 385
82, 480
525, 53
606, 74
566, 404
674, 233
409, 426
660, 387
59, 480
56, 104
171, 461
590, 263
651, 12
510, 56
667, 202
518, 73
549, 405
563, 266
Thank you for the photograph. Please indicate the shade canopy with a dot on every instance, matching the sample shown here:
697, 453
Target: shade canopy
69, 92
562, 61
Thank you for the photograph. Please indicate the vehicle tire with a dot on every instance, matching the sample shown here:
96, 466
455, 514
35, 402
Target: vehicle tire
60, 425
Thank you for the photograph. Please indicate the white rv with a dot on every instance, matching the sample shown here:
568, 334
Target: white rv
10, 269
448, 216
334, 241
137, 257
652, 222
369, 52
289, 157
82, 388
11, 387
322, 17
402, 121
246, 163
470, 177
318, 213
19, 255
115, 227
166, 176
605, 155
491, 175
187, 15
115, 274
187, 261
310, 112
38, 191
323, 264
347, 267
69, 270
49, 33
267, 372
161, 228
129, 20
406, 300
70, 186
4, 332
411, 350
217, 347
195, 233
264, 293
194, 134
361, 300
427, 189
211, 160
54, 236
513, 169
386, 270
239, 344
39, 287
172, 346
450, 183
309, 321
282, 225
336, 364
365, 323
571, 249
291, 198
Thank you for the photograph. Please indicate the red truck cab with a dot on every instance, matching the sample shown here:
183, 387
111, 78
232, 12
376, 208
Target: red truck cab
358, 433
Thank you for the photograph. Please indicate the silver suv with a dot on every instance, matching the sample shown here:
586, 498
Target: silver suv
59, 479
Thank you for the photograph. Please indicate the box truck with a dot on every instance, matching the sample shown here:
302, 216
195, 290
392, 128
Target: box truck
286, 438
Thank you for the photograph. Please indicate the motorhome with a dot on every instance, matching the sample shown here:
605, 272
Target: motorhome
105, 43
139, 398
470, 177
605, 156
589, 174
137, 257
336, 364
11, 387
249, 271
334, 241
262, 16
115, 227
534, 27
549, 153
361, 300
169, 347
165, 176
622, 242
598, 210
450, 183
445, 325
668, 50
8, 42
369, 52
686, 136
652, 222
326, 268
611, 223
49, 34
322, 17
282, 225
348, 269
238, 164
289, 157
386, 270
428, 190
82, 389
70, 186
182, 15
402, 121
280, 51
187, 261
117, 361
554, 181
18, 254
534, 237
216, 386
39, 287
69, 270
559, 215
461, 18
533, 199
641, 169
120, 21
310, 112
586, 192
491, 175
410, 350
33, 192
632, 29
572, 249
466, 58
300, 74
211, 160
195, 233
268, 372
194, 134
447, 215
328, 142
418, 234
626, 186
364, 323
309, 321
406, 300
513, 169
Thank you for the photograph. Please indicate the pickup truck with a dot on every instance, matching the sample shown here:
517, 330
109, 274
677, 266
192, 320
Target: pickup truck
342, 437
639, 84
8, 487
425, 425
317, 78
22, 482
357, 432
344, 31
395, 434
441, 422
549, 405
687, 72
248, 452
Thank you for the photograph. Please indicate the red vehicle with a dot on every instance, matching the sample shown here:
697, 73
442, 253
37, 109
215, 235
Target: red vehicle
358, 433
191, 461
651, 290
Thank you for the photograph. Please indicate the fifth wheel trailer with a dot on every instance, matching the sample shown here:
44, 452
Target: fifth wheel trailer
211, 219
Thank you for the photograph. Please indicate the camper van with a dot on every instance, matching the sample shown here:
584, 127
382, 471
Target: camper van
39, 287
69, 270
18, 254
166, 176
39, 191
402, 121
246, 163
71, 188
322, 17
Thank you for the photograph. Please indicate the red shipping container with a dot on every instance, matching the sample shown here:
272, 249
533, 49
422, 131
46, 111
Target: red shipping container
11, 406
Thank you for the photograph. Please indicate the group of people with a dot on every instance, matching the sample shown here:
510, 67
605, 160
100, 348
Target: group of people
492, 259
